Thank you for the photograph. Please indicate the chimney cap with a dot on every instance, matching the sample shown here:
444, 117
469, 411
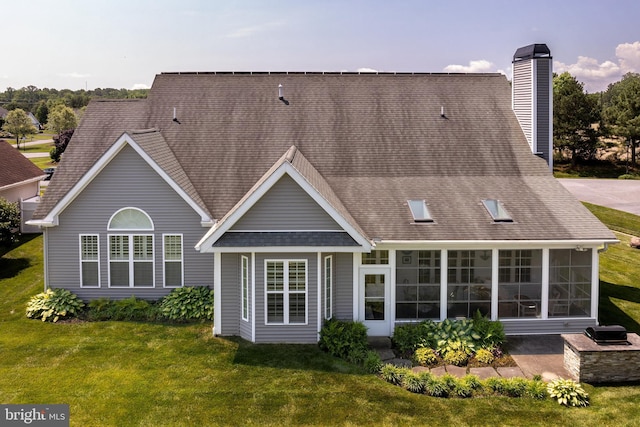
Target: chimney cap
539, 50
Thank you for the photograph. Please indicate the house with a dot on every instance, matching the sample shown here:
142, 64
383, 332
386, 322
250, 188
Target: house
297, 197
20, 182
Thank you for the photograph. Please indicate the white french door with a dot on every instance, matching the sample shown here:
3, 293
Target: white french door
375, 312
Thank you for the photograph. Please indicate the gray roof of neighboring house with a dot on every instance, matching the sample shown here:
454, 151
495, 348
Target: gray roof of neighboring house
16, 168
369, 142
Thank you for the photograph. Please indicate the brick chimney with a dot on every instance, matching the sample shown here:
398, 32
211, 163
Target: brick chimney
532, 97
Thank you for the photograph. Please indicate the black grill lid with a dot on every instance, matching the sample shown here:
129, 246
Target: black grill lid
607, 334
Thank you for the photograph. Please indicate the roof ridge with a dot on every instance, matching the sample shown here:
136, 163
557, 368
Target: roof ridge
316, 73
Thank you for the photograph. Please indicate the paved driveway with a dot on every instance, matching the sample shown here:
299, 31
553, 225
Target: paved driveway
618, 194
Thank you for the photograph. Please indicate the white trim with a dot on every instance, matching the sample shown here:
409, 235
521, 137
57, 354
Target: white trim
129, 229
25, 182
244, 205
287, 249
217, 294
253, 296
124, 140
489, 244
444, 282
45, 245
164, 261
534, 106
357, 262
320, 285
244, 280
81, 261
544, 292
131, 262
285, 292
595, 283
495, 279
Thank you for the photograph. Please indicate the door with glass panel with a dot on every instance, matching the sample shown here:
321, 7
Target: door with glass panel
374, 300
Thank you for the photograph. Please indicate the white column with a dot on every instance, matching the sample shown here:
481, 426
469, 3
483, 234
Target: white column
544, 303
217, 293
495, 265
443, 283
253, 297
595, 282
320, 288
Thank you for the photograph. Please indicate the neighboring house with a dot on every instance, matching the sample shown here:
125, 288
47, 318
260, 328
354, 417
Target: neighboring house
34, 121
3, 112
20, 182
298, 197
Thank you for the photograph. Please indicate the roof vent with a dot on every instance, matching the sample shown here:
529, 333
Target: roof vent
281, 95
175, 117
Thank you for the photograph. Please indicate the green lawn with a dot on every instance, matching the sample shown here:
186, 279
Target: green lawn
128, 373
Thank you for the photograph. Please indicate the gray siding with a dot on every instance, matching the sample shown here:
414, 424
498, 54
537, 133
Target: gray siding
90, 212
230, 294
286, 207
343, 286
548, 326
522, 97
543, 83
287, 333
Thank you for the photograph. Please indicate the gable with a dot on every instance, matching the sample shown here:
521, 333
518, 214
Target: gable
286, 207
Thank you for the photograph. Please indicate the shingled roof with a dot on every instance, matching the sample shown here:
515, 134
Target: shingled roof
16, 168
375, 141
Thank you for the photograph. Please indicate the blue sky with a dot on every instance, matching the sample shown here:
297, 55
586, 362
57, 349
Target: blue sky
79, 44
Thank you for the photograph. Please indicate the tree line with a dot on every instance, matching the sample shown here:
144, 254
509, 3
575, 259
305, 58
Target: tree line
582, 122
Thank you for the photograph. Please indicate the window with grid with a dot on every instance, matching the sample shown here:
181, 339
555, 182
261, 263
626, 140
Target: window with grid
519, 283
328, 287
468, 283
244, 285
418, 284
89, 261
376, 257
173, 263
131, 261
286, 289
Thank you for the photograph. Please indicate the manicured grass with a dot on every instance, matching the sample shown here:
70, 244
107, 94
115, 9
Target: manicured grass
616, 220
128, 373
38, 148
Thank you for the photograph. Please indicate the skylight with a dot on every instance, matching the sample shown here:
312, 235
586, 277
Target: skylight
496, 210
420, 211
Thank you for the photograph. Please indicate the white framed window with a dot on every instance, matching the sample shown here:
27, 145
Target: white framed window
173, 260
286, 292
131, 261
89, 261
244, 286
328, 287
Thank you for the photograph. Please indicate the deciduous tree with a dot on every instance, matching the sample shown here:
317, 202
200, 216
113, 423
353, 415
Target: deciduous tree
18, 123
61, 118
574, 112
622, 110
9, 221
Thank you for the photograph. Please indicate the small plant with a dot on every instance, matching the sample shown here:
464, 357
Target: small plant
52, 305
487, 333
188, 303
515, 387
425, 356
372, 362
393, 374
568, 392
406, 338
484, 356
536, 389
341, 338
456, 352
436, 386
413, 382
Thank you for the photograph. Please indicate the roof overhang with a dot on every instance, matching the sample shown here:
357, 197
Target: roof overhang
51, 220
25, 182
499, 244
252, 197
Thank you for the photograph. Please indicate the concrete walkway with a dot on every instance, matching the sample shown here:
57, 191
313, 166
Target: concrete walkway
621, 194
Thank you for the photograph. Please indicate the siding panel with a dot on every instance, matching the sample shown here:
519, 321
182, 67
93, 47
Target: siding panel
231, 302
343, 286
286, 207
90, 212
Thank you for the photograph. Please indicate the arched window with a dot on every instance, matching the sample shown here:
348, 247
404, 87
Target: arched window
130, 219
131, 258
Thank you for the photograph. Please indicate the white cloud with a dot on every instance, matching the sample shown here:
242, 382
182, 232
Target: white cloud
629, 57
367, 70
140, 86
479, 66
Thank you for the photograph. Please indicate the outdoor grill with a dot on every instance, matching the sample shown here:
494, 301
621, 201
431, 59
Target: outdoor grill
614, 334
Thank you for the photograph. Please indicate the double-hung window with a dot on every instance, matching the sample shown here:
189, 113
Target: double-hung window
173, 271
131, 249
286, 291
89, 261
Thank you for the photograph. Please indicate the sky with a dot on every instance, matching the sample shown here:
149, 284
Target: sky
88, 44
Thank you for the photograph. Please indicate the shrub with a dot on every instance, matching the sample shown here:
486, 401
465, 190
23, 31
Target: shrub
484, 356
515, 387
568, 392
456, 352
406, 338
487, 333
53, 305
372, 362
436, 386
425, 356
131, 309
628, 176
393, 374
341, 338
413, 382
536, 389
188, 303
9, 222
